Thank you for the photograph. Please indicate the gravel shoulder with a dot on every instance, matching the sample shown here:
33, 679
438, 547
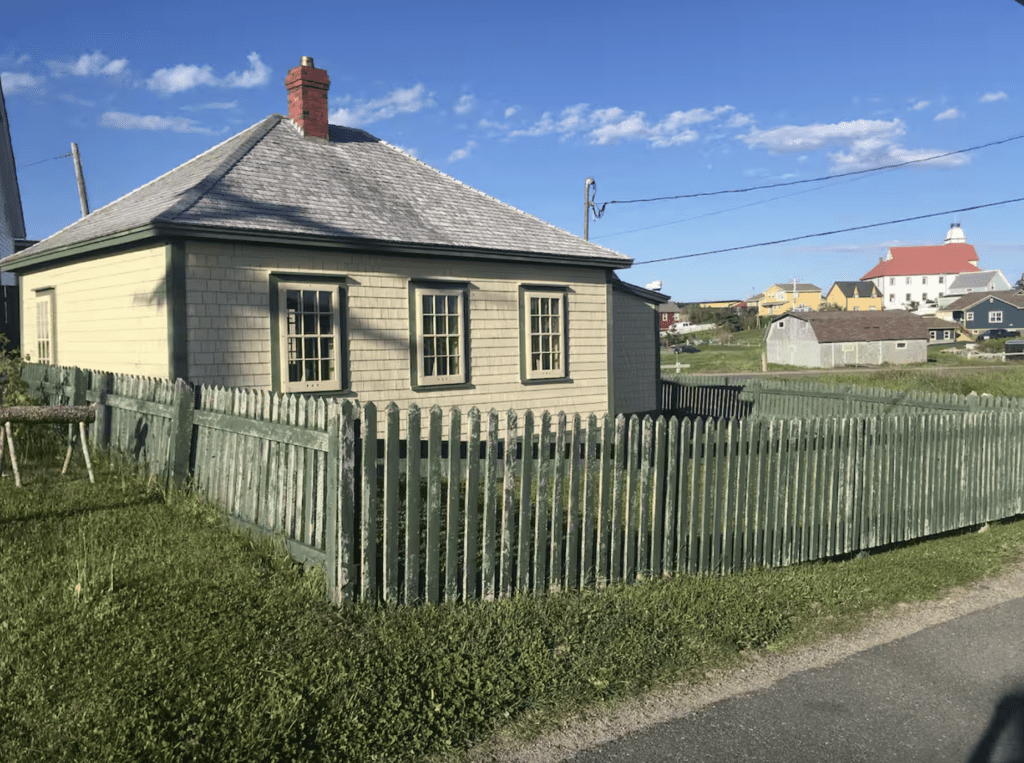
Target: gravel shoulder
760, 670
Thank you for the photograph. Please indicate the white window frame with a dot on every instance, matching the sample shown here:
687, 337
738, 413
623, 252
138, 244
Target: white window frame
46, 326
335, 380
426, 369
969, 316
995, 316
942, 279
556, 348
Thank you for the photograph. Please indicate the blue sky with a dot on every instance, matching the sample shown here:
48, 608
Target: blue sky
525, 100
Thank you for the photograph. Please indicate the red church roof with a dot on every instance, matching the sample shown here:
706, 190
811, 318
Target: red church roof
926, 260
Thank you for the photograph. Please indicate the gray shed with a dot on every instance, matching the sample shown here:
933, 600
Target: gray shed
833, 339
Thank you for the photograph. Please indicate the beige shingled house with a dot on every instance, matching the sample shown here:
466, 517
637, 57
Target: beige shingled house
299, 256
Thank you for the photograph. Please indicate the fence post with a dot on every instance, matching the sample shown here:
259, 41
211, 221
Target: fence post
79, 381
332, 505
183, 415
102, 383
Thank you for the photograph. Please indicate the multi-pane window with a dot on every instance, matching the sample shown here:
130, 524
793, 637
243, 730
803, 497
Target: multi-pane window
310, 336
995, 316
440, 335
546, 345
45, 329
969, 317
544, 336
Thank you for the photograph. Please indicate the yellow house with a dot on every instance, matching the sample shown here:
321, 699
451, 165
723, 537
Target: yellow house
780, 298
855, 296
302, 257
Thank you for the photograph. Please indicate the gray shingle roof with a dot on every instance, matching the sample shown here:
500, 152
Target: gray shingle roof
980, 280
857, 289
861, 326
271, 179
970, 300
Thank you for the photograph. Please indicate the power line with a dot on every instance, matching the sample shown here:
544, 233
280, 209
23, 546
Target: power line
810, 180
828, 233
52, 158
723, 211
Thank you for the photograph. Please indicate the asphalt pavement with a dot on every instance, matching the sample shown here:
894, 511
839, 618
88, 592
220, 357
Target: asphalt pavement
953, 691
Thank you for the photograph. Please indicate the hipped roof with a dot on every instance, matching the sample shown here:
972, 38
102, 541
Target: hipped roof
269, 182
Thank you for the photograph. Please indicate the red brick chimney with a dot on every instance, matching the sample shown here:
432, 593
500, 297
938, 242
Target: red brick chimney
307, 98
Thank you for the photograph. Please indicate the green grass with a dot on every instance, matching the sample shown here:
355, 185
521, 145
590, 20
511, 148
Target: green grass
135, 626
715, 359
1007, 382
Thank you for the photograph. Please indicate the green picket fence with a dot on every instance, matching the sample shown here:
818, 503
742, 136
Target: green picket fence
429, 506
777, 398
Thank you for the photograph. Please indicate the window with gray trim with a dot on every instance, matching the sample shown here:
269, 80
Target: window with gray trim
543, 342
440, 334
310, 326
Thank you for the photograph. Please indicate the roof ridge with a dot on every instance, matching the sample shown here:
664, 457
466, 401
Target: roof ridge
195, 193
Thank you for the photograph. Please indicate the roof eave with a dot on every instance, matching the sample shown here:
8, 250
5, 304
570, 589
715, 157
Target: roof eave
163, 229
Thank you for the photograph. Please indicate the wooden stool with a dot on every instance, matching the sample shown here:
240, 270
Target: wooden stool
40, 414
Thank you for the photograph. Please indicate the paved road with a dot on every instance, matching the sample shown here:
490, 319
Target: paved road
930, 696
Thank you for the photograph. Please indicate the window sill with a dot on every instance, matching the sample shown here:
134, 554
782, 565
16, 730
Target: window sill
558, 380
433, 387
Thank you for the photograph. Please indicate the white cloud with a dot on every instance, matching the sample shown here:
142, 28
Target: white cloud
607, 126
489, 125
795, 138
739, 120
465, 105
16, 82
183, 77
224, 105
948, 114
257, 74
867, 144
510, 111
410, 151
89, 65
918, 105
401, 101
993, 97
180, 78
461, 153
123, 121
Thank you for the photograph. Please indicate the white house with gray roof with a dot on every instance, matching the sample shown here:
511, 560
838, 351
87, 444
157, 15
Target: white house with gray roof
299, 256
971, 283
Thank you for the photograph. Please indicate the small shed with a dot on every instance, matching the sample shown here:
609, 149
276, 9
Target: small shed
833, 339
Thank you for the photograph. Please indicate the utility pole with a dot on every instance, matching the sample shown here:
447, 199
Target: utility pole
82, 197
588, 204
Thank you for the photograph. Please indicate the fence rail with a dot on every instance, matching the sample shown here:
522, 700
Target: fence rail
487, 505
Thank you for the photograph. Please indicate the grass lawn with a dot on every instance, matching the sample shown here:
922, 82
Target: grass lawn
135, 626
714, 358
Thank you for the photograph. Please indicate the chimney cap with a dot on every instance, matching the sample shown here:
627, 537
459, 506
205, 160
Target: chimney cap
306, 61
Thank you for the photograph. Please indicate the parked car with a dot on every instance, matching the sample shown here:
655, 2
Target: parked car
678, 348
997, 334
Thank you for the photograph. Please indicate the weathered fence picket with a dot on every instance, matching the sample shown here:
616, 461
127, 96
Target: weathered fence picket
557, 504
